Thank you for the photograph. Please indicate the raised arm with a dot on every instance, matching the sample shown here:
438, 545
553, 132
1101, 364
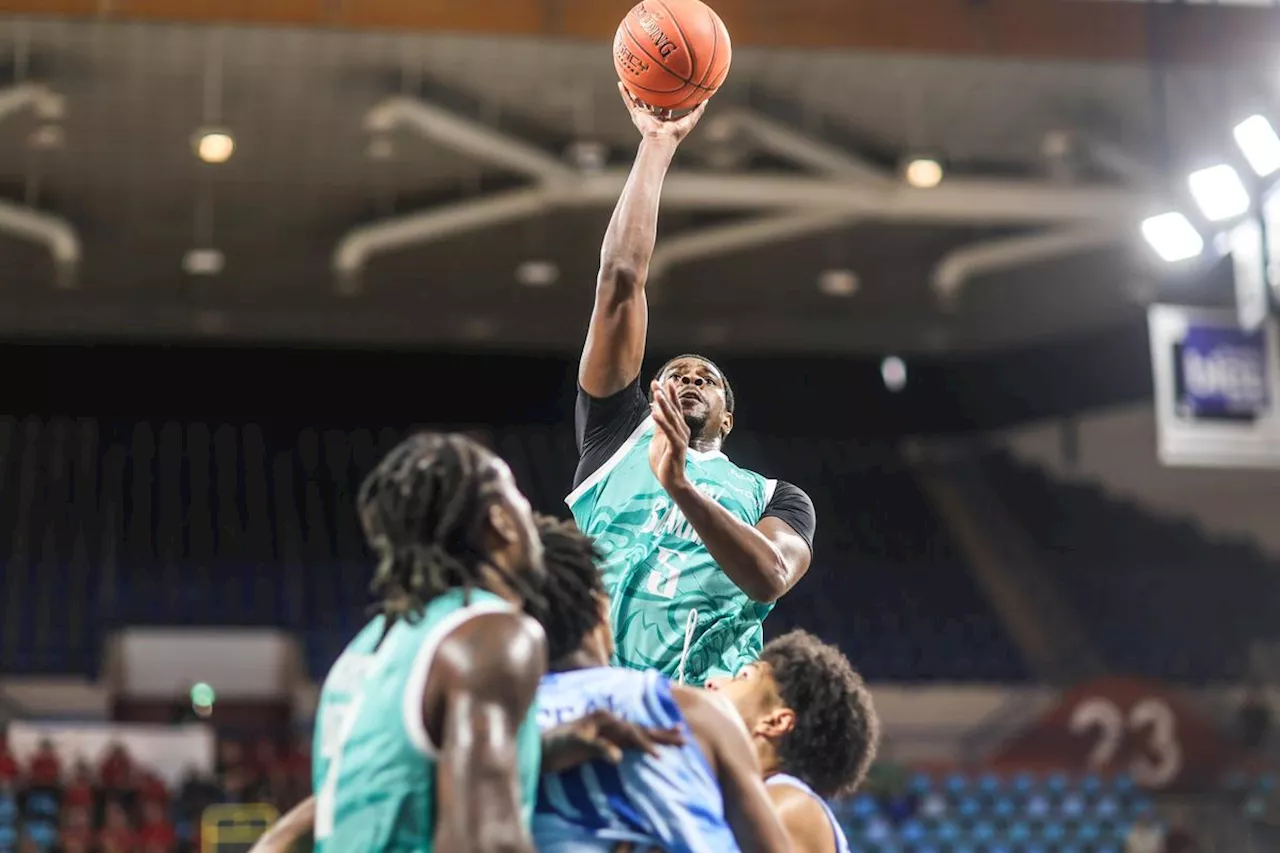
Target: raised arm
482, 683
724, 739
619, 321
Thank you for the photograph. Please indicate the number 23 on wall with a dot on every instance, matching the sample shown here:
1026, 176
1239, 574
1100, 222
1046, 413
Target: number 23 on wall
1150, 725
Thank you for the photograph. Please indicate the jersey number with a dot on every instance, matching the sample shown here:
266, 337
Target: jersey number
665, 576
338, 724
1161, 758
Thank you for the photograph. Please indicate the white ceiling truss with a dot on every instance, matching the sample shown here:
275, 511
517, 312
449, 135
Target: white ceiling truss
839, 189
29, 224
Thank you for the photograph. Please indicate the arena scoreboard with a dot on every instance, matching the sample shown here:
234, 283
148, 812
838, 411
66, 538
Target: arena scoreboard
233, 828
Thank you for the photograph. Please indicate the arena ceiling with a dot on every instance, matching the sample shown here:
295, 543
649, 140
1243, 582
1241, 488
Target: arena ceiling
386, 187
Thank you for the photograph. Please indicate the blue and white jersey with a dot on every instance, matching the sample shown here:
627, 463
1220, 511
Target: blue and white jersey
842, 843
672, 801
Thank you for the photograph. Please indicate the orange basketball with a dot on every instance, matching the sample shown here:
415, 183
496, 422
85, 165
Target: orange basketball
672, 54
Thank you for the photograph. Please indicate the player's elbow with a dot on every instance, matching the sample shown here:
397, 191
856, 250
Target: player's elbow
772, 582
619, 281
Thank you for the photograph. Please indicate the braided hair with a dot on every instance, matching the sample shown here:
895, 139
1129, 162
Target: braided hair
424, 510
568, 603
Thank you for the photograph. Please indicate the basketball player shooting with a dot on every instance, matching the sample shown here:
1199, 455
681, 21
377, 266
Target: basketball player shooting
696, 550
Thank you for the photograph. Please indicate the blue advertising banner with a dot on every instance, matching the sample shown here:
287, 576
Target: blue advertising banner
1217, 388
1221, 373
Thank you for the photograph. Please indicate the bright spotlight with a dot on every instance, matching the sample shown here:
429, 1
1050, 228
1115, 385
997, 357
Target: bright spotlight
1219, 192
923, 173
1173, 237
894, 373
1259, 145
215, 147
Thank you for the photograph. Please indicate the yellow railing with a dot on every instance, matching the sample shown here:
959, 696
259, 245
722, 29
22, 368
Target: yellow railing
234, 828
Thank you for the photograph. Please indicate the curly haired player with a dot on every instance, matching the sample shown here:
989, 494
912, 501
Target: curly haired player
815, 730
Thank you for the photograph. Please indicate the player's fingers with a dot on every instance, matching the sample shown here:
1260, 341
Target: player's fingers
667, 737
627, 97
675, 419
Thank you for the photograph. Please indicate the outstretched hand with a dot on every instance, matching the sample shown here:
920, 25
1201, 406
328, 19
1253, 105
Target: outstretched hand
670, 442
601, 736
660, 123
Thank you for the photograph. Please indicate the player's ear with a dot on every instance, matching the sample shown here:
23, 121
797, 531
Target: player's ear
503, 526
726, 425
777, 723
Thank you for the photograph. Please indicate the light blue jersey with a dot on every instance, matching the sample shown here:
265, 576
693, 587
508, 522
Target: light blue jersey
671, 802
842, 843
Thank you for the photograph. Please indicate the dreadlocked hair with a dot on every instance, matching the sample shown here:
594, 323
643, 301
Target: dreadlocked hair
424, 511
728, 389
836, 730
568, 603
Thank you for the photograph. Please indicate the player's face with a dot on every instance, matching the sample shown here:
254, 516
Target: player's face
511, 518
700, 394
754, 694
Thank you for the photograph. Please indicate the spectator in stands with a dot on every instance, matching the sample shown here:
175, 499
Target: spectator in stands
45, 768
117, 836
152, 789
9, 770
1146, 836
79, 792
157, 833
77, 825
116, 771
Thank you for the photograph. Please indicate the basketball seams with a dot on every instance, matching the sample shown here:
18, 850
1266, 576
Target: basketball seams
715, 41
688, 45
639, 44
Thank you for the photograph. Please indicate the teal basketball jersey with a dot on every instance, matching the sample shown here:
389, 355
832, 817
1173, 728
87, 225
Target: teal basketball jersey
673, 608
374, 765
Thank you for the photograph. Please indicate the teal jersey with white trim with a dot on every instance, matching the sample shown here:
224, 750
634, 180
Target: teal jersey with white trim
374, 765
671, 601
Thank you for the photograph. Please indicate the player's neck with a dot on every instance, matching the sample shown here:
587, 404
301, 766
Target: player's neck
583, 658
769, 763
705, 444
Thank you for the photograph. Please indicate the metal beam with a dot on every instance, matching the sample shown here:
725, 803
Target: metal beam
801, 150
847, 189
35, 226
465, 136
727, 239
360, 244
961, 266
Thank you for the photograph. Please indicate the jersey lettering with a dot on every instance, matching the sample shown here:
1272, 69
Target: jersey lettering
665, 578
657, 569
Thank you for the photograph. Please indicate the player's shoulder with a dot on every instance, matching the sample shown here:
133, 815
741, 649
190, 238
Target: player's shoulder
494, 650
803, 815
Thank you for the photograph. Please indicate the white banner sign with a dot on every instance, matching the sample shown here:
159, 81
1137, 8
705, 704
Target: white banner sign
240, 664
169, 751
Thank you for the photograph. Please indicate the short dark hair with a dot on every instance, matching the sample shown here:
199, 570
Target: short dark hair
423, 510
728, 389
567, 603
837, 731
